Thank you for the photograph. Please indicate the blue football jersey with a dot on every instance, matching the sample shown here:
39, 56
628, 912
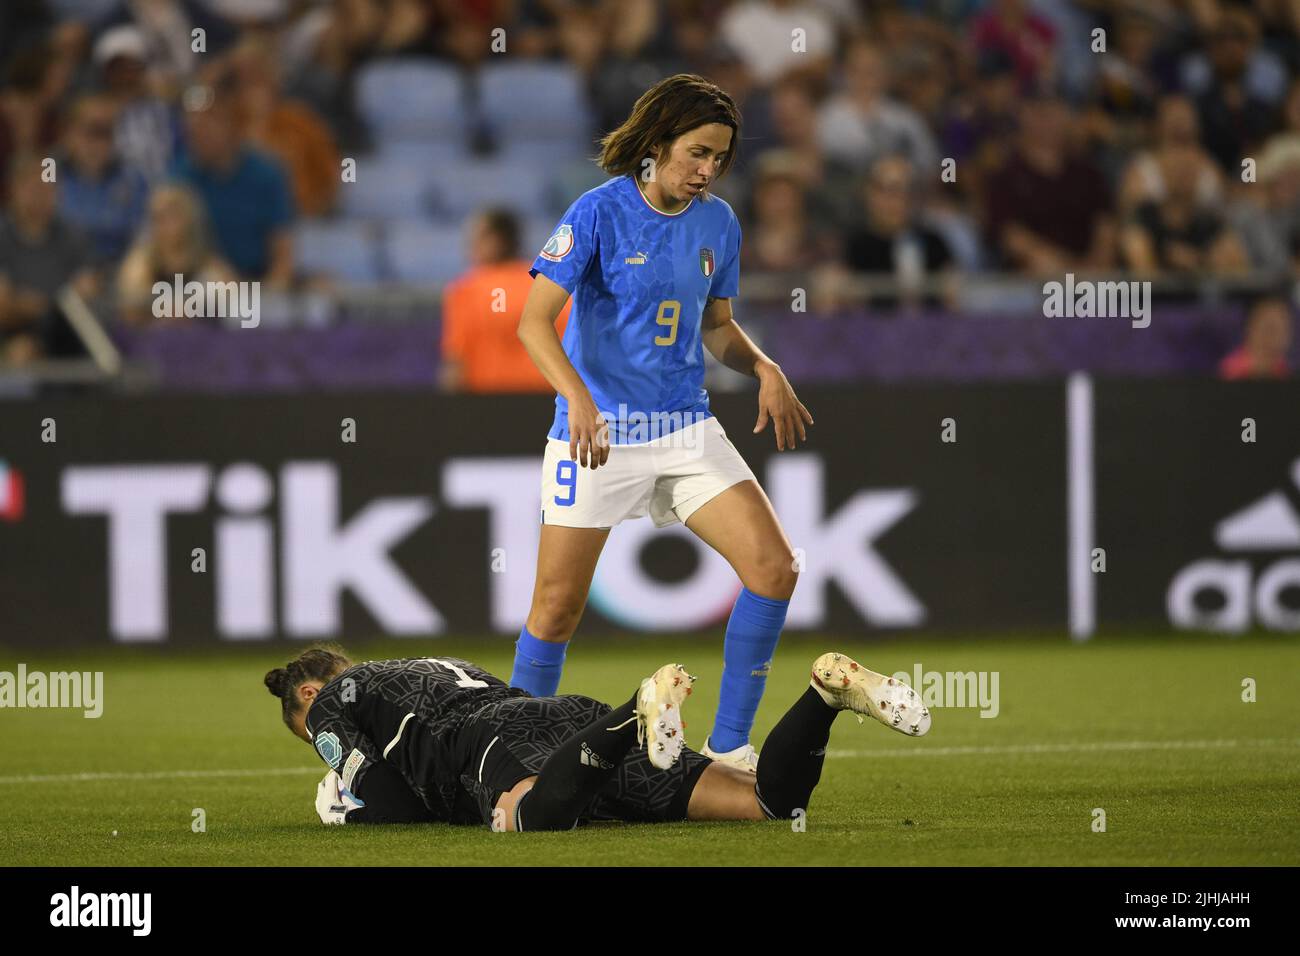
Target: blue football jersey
639, 280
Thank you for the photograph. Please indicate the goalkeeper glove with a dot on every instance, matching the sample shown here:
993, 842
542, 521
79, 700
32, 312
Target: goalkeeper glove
333, 800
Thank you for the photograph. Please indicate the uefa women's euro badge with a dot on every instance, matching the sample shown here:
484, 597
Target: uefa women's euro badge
560, 244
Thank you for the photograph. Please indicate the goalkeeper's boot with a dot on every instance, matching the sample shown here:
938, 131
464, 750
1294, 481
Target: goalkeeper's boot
846, 685
659, 714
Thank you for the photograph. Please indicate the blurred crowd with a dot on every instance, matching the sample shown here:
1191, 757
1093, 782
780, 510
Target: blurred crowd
914, 141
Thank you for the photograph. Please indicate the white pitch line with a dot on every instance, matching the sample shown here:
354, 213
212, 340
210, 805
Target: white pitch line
1112, 746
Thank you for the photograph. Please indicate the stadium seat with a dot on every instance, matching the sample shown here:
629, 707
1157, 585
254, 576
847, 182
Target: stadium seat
347, 250
535, 101
389, 187
464, 188
411, 99
423, 253
428, 152
550, 153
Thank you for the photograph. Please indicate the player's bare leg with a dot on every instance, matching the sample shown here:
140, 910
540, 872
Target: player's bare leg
566, 561
741, 525
724, 792
504, 817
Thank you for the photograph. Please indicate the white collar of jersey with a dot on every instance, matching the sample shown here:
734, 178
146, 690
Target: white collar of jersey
652, 206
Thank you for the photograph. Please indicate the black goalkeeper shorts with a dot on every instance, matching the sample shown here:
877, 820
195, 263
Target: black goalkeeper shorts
506, 741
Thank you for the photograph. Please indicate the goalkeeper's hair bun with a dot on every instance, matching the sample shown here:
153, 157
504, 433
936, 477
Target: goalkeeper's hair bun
276, 680
322, 662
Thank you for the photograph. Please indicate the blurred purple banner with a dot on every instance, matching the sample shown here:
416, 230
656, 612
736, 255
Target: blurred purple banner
207, 359
938, 346
845, 348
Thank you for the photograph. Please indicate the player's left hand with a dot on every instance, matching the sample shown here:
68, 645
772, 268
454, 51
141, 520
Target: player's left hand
777, 401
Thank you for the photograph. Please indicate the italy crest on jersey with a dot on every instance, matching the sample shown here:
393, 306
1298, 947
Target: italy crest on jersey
559, 245
706, 261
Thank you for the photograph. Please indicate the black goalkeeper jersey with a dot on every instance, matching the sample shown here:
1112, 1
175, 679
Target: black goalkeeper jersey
403, 715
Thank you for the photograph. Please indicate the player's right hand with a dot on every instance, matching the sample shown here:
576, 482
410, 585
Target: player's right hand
330, 805
588, 434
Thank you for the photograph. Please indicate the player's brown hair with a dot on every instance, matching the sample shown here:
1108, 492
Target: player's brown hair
322, 662
668, 109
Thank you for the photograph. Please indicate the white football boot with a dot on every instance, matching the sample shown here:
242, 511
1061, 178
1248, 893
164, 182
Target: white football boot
659, 714
744, 757
846, 685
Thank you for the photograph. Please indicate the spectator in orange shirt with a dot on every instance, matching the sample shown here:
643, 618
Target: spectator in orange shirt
481, 351
287, 129
1263, 352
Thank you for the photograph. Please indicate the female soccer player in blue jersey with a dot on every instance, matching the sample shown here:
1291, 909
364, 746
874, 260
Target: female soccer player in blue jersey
652, 262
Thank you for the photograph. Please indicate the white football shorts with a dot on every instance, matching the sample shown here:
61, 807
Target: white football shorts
667, 478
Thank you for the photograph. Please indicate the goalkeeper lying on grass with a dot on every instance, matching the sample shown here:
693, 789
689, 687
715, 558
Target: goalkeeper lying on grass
438, 739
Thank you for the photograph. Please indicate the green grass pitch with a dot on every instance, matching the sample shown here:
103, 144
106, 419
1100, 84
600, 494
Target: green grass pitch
1152, 731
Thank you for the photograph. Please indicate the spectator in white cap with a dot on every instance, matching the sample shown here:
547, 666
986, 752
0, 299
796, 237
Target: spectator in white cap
159, 33
124, 42
147, 132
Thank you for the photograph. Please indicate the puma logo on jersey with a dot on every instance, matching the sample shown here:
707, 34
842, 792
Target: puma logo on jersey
636, 260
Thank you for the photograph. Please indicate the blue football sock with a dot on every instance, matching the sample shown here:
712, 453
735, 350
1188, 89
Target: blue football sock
538, 664
752, 633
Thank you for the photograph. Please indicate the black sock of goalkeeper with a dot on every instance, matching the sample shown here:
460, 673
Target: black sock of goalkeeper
577, 770
791, 762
